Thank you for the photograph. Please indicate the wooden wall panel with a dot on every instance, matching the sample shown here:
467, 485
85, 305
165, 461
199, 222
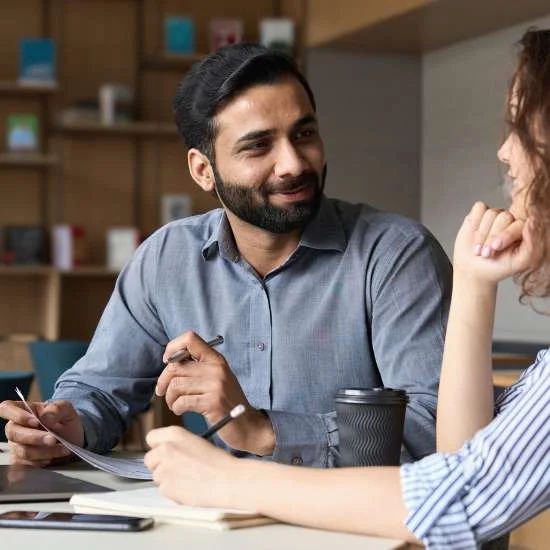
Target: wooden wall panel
158, 91
97, 46
22, 299
83, 300
97, 187
165, 170
21, 192
18, 19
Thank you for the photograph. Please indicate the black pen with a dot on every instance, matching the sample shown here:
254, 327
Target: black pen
233, 413
184, 355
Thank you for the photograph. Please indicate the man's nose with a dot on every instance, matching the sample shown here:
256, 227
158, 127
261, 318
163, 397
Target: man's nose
289, 161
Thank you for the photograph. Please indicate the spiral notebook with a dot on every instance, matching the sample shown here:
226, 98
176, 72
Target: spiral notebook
149, 502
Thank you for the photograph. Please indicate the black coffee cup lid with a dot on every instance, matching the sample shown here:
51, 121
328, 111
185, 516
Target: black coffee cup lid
372, 396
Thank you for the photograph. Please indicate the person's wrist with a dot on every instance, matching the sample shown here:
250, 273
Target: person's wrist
474, 283
260, 435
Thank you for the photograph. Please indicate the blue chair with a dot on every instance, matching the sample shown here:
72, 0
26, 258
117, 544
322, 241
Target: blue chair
9, 380
51, 359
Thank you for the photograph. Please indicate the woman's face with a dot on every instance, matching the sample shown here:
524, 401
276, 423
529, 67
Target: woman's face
520, 172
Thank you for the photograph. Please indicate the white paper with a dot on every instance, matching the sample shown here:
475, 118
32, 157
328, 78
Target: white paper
133, 468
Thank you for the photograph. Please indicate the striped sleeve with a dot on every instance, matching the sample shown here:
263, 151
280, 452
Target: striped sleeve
496, 482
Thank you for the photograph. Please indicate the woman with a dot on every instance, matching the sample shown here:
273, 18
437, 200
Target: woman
488, 477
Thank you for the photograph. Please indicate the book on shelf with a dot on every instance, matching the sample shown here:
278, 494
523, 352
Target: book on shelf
68, 246
175, 207
22, 135
224, 32
121, 245
179, 35
25, 245
37, 62
149, 502
278, 33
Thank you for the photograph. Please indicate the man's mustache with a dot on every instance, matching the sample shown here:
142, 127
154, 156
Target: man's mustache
303, 180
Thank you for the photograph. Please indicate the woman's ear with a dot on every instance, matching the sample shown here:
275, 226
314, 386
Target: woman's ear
201, 169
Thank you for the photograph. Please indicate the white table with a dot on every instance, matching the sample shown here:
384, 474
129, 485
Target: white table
168, 537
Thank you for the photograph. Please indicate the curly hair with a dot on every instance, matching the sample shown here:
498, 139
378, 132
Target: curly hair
530, 121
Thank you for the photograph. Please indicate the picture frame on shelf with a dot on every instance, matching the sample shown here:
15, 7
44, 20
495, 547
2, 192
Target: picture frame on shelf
175, 207
224, 32
278, 33
179, 35
37, 62
22, 135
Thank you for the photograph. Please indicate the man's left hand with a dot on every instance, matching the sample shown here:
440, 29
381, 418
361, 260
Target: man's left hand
206, 384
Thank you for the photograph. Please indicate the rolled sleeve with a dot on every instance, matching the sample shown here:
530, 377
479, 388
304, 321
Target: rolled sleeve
433, 489
308, 439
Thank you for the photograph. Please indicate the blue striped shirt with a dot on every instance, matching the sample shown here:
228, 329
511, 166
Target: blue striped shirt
497, 481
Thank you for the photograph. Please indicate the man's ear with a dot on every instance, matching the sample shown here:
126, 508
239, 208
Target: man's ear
201, 169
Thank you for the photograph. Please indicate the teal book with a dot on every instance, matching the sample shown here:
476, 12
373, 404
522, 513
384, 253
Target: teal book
37, 61
179, 35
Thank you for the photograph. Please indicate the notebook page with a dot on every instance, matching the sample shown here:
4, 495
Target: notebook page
148, 501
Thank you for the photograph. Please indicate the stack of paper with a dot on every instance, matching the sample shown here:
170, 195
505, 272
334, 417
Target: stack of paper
149, 502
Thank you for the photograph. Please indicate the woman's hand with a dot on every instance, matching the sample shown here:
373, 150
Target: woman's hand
189, 469
491, 245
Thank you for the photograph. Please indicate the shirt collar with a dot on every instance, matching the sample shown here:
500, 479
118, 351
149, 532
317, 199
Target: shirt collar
324, 232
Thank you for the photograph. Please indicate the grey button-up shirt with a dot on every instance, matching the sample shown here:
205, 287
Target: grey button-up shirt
362, 302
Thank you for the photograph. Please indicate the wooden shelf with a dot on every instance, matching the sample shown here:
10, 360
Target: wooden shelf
45, 270
9, 87
506, 378
168, 62
411, 26
89, 271
142, 129
25, 270
28, 160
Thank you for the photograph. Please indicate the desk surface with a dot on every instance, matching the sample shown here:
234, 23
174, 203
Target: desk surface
269, 537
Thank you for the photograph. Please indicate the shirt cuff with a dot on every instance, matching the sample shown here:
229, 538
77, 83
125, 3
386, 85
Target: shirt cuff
304, 439
432, 490
97, 436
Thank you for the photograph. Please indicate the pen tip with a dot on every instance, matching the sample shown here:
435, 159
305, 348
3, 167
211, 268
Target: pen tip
237, 411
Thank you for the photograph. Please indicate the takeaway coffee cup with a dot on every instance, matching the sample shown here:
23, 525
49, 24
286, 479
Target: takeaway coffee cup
370, 424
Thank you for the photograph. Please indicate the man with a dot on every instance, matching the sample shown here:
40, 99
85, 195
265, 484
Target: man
310, 294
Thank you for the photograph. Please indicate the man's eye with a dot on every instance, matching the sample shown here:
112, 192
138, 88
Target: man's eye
257, 146
305, 133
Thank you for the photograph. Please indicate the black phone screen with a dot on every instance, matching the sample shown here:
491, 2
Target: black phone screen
67, 520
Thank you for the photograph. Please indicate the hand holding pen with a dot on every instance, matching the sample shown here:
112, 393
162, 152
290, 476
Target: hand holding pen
208, 386
184, 355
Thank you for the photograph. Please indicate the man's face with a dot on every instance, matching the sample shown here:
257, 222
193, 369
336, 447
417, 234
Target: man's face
269, 157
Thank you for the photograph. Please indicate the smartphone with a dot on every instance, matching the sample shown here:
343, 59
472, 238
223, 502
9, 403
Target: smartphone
67, 520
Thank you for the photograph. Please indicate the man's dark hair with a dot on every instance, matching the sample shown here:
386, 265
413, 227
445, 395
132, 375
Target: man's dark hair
219, 78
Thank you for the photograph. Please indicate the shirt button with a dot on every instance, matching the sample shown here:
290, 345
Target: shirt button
297, 461
260, 346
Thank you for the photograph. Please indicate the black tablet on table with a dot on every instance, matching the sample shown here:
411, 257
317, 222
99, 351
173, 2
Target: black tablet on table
28, 484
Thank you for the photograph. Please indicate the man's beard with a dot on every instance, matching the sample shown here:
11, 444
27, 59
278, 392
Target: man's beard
252, 205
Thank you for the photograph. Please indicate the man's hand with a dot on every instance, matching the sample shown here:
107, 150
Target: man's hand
492, 245
189, 469
206, 384
29, 443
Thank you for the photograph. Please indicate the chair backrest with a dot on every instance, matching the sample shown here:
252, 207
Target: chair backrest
51, 359
9, 380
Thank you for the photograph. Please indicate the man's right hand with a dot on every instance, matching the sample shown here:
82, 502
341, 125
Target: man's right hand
29, 443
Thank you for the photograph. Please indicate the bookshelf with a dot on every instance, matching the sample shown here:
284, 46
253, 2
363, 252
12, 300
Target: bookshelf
143, 129
28, 160
13, 88
86, 173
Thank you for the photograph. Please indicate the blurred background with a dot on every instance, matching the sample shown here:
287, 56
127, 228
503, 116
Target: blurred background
410, 97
